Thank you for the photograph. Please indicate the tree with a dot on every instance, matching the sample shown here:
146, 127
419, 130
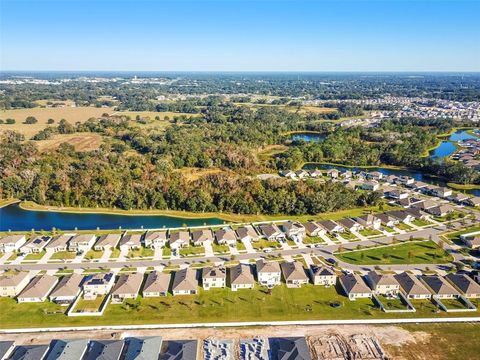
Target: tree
50, 121
31, 120
10, 121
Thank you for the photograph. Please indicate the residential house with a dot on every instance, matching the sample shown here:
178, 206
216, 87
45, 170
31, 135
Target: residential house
474, 201
350, 225
294, 274
155, 239
12, 243
354, 286
289, 348
81, 243
67, 349
156, 284
322, 275
332, 173
395, 194
441, 210
383, 284
388, 220
401, 215
419, 185
407, 202
104, 350
441, 192
476, 276
417, 214
472, 242
12, 284
411, 287
67, 289
247, 233
131, 242
315, 173
143, 348
214, 277
268, 273
97, 285
272, 232
29, 352
405, 180
369, 185
107, 242
331, 226
185, 282
369, 221
302, 174
58, 243
314, 229
439, 287
226, 236
425, 205
375, 175
35, 245
6, 349
294, 230
126, 287
458, 198
287, 173
464, 284
38, 289
199, 237
180, 350
179, 239
347, 174
241, 277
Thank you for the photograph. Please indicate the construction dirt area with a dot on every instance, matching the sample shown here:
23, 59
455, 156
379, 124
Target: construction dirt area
325, 342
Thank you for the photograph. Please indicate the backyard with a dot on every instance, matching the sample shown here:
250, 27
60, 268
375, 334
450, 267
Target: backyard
306, 303
417, 252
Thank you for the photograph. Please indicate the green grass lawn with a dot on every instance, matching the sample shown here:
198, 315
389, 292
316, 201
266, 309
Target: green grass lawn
63, 255
262, 244
166, 252
392, 303
192, 251
388, 229
142, 252
222, 249
455, 236
403, 226
313, 240
89, 305
92, 255
35, 256
115, 253
369, 232
347, 235
306, 303
13, 256
453, 303
241, 246
420, 222
425, 252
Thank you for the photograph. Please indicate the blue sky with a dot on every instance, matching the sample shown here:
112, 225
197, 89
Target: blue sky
244, 35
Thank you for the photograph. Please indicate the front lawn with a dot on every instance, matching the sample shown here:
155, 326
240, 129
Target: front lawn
93, 254
143, 252
262, 244
192, 251
63, 255
347, 235
221, 249
115, 253
403, 226
35, 256
369, 232
420, 222
424, 252
241, 246
313, 240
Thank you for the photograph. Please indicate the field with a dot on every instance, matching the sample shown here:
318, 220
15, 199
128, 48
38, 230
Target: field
306, 303
71, 114
80, 141
425, 252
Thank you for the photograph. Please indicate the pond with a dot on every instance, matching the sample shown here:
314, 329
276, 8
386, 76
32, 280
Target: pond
447, 147
308, 136
13, 217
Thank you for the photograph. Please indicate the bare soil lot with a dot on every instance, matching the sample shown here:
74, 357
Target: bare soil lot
80, 141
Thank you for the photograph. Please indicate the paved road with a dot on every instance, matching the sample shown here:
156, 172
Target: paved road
326, 251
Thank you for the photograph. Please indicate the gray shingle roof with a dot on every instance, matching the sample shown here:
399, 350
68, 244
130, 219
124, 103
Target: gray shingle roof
143, 348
